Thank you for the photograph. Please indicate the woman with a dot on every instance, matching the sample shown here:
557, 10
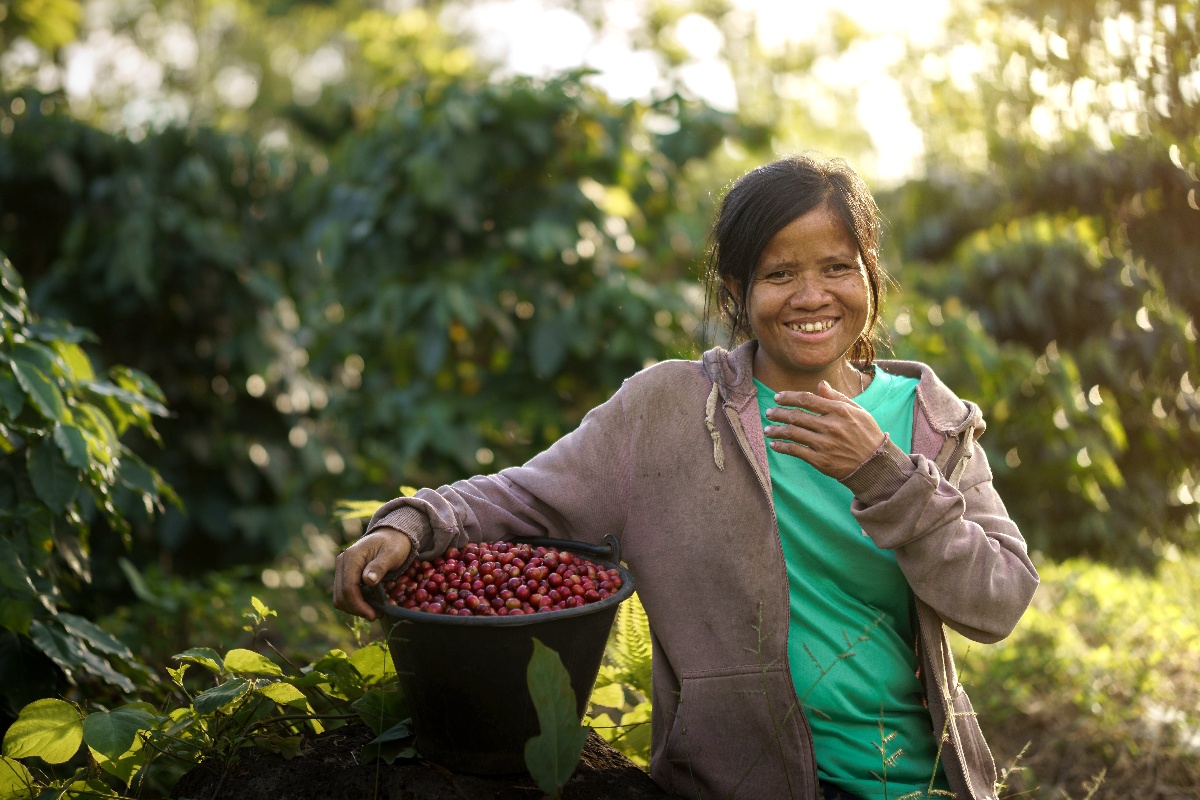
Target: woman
802, 522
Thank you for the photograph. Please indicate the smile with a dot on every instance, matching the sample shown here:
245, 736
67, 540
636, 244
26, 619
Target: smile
812, 327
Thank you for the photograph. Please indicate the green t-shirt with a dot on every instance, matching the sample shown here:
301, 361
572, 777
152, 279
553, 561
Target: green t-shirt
851, 637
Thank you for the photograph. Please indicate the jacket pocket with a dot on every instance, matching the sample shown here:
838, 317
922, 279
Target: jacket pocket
739, 733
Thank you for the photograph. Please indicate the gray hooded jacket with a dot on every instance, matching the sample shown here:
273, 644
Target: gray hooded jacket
675, 465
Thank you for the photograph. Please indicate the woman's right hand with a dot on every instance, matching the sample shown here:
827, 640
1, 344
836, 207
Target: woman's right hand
367, 561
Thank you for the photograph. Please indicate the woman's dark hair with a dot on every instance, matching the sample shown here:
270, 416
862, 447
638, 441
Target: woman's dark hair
761, 203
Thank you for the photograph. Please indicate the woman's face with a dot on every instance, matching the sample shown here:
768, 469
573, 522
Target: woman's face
809, 303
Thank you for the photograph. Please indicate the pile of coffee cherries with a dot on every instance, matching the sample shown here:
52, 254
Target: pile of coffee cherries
501, 579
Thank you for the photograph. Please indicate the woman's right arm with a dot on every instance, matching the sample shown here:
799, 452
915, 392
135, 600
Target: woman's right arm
575, 489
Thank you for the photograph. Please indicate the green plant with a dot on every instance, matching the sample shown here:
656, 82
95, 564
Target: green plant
229, 702
65, 471
621, 703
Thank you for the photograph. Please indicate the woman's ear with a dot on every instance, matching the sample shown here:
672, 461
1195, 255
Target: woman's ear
732, 287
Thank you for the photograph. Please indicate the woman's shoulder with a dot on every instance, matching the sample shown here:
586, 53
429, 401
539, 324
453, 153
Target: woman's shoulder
670, 375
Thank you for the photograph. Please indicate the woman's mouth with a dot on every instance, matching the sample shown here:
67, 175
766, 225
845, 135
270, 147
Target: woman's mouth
812, 327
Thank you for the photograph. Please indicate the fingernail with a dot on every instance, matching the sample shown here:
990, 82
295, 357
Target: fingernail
778, 396
372, 577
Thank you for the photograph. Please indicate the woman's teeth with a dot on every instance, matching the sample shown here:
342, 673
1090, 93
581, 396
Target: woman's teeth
812, 327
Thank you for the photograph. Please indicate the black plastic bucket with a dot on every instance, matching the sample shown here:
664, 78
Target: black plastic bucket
465, 677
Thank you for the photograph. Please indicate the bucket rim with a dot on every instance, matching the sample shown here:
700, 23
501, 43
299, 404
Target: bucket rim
401, 614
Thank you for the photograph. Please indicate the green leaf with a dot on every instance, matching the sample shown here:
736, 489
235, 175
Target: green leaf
261, 608
610, 696
94, 635
127, 397
136, 475
11, 395
374, 663
355, 509
89, 790
15, 780
71, 654
53, 330
72, 444
221, 696
203, 656
78, 365
46, 397
49, 729
249, 662
551, 756
394, 743
54, 480
112, 733
285, 694
382, 708
548, 346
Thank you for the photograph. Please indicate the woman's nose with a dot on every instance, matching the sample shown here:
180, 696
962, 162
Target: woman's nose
809, 291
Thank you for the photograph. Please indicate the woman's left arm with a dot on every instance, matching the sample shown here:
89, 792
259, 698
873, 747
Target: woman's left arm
958, 547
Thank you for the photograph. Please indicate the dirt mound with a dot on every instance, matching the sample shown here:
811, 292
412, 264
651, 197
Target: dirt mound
328, 767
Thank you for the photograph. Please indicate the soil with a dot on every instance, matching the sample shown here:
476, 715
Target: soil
328, 766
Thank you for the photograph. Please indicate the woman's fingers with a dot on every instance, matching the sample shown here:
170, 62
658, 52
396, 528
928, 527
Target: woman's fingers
367, 561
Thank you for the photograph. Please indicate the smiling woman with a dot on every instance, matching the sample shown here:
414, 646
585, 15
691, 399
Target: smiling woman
798, 593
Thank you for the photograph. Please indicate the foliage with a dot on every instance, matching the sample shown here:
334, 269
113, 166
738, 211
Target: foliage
1071, 255
1101, 672
551, 756
511, 242
229, 702
64, 467
620, 704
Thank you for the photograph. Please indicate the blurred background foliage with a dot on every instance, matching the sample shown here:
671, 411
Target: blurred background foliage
355, 250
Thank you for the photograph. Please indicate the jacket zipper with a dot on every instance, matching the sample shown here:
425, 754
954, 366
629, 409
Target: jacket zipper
739, 434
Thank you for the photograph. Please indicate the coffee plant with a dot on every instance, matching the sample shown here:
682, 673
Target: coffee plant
65, 472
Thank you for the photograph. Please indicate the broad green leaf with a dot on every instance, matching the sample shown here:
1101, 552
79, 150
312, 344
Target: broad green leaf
72, 444
15, 780
54, 480
89, 790
127, 397
395, 742
49, 729
96, 637
16, 615
551, 756
11, 394
136, 475
610, 696
249, 662
53, 330
42, 392
112, 733
203, 656
38, 355
374, 663
79, 366
221, 696
72, 654
382, 708
14, 574
126, 765
285, 694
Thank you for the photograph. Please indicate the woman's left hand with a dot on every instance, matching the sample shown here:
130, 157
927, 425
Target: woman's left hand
826, 429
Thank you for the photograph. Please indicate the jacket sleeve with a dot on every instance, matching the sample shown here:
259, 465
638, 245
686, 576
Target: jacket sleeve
573, 490
960, 551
